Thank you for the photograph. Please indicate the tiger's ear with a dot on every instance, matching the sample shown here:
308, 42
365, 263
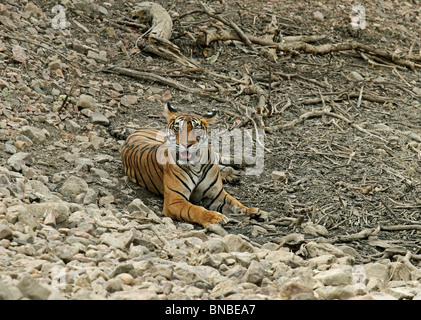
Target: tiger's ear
170, 111
210, 116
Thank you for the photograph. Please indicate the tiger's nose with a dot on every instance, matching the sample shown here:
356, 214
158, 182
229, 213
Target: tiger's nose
186, 145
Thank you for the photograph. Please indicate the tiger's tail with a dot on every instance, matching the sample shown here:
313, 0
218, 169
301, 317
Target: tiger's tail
119, 134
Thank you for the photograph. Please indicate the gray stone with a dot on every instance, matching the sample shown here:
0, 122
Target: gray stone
73, 127
97, 56
335, 277
124, 268
73, 186
142, 294
214, 245
33, 290
237, 244
36, 135
86, 102
255, 273
5, 231
114, 285
118, 240
19, 159
99, 118
377, 271
59, 210
7, 22
100, 173
9, 292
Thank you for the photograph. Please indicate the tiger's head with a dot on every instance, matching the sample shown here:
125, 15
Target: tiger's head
187, 134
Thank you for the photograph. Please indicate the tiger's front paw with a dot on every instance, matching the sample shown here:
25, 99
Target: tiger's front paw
229, 175
256, 213
210, 217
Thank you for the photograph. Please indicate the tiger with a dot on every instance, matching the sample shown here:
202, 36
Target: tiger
178, 164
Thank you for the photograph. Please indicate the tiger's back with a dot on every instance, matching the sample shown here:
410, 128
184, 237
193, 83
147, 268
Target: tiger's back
139, 155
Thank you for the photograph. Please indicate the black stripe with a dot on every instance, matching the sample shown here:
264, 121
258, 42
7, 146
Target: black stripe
185, 184
221, 206
210, 186
210, 204
205, 173
188, 213
150, 152
175, 202
181, 194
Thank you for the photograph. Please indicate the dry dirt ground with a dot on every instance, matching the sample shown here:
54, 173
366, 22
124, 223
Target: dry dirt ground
351, 170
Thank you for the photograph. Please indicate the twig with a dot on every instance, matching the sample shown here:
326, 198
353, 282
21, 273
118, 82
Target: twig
319, 113
364, 234
228, 22
147, 76
401, 227
66, 98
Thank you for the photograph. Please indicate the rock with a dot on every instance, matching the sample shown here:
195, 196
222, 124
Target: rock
125, 278
73, 186
224, 289
27, 219
142, 294
237, 244
335, 277
19, 54
322, 261
377, 270
124, 268
73, 127
356, 76
318, 15
5, 231
7, 22
118, 240
117, 87
55, 65
214, 245
283, 255
86, 102
297, 291
37, 136
20, 159
9, 291
33, 290
128, 100
376, 296
335, 292
99, 118
114, 285
101, 57
278, 175
401, 292
255, 273
139, 210
33, 9
317, 249
400, 272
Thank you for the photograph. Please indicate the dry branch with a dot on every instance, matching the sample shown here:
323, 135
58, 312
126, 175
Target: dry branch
156, 39
301, 43
228, 22
319, 113
147, 76
219, 34
160, 20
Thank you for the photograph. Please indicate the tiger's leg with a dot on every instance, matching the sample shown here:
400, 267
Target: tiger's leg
217, 199
177, 207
